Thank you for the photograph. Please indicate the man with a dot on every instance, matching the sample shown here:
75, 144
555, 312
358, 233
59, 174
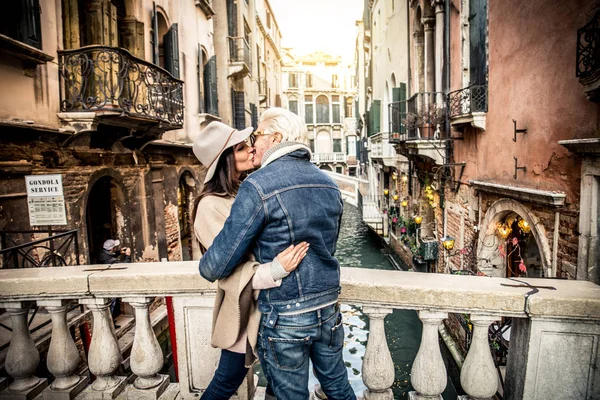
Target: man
288, 200
111, 254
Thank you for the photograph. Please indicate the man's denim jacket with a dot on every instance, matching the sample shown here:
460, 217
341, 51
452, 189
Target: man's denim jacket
288, 201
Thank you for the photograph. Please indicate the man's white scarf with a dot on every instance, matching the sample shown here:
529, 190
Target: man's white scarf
281, 150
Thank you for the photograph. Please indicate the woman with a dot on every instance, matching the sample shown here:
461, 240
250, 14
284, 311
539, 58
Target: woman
227, 156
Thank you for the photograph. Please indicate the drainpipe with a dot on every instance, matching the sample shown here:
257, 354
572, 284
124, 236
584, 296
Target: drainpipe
552, 273
446, 84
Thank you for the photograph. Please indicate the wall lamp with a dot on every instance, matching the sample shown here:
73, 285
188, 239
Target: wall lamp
448, 242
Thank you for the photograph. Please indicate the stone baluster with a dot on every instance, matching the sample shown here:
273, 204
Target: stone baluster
478, 376
23, 357
63, 356
378, 368
428, 374
104, 356
146, 355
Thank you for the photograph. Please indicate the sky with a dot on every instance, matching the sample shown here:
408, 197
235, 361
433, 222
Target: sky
319, 25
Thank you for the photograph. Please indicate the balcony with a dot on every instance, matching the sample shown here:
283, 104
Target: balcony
262, 90
555, 331
322, 158
588, 58
468, 106
109, 85
240, 57
418, 126
382, 150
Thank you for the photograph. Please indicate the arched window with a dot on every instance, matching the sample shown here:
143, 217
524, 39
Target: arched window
322, 110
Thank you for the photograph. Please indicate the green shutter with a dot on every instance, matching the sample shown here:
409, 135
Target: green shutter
210, 87
376, 116
171, 43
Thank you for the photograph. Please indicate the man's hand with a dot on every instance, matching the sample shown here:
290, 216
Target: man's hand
292, 256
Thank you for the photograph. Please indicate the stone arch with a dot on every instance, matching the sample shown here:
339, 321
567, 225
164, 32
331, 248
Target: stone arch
106, 185
487, 241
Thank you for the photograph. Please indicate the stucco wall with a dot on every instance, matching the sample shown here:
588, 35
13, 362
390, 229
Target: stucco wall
532, 48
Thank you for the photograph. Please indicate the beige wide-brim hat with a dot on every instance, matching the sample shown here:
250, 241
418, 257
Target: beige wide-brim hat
213, 140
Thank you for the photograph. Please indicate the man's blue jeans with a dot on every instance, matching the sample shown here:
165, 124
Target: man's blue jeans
286, 342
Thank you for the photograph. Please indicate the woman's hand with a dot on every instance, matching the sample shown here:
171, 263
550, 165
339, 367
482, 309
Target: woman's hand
291, 257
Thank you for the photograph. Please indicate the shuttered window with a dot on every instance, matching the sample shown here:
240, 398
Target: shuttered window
20, 20
210, 87
375, 116
337, 145
239, 112
254, 113
171, 43
478, 38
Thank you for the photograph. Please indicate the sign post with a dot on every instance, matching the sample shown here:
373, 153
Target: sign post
45, 200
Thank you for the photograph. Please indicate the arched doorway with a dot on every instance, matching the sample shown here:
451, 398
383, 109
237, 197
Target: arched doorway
105, 216
513, 243
185, 205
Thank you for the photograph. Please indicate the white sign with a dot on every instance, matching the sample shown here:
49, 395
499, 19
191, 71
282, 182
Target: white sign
45, 200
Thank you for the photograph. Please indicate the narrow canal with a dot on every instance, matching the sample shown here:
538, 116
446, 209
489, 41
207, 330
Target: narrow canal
358, 247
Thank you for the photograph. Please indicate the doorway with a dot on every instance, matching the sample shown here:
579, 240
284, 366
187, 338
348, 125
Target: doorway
104, 216
184, 205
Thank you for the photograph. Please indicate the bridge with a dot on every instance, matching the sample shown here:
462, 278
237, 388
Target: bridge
350, 186
553, 345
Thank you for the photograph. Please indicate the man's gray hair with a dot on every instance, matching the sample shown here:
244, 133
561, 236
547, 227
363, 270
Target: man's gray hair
290, 125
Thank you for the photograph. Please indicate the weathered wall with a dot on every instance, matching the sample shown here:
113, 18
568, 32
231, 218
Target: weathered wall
147, 213
532, 79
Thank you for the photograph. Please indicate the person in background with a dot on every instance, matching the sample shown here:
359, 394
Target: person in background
112, 254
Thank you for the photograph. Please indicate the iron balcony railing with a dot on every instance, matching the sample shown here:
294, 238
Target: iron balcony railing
100, 78
588, 48
239, 51
425, 113
468, 100
397, 118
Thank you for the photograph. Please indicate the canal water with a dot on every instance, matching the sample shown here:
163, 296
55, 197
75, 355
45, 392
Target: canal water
358, 247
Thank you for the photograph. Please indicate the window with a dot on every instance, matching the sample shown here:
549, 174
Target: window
337, 145
338, 170
210, 87
311, 145
322, 110
293, 80
334, 81
309, 80
335, 109
351, 146
308, 109
268, 20
20, 20
348, 108
352, 171
293, 106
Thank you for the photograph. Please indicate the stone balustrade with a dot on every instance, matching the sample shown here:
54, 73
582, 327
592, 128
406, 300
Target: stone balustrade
553, 353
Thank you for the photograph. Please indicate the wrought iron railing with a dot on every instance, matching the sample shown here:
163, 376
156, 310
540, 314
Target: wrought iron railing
588, 47
100, 78
397, 118
468, 100
425, 113
239, 51
60, 248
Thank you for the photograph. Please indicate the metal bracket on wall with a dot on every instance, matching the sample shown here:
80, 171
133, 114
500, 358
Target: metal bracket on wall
517, 168
462, 166
522, 130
